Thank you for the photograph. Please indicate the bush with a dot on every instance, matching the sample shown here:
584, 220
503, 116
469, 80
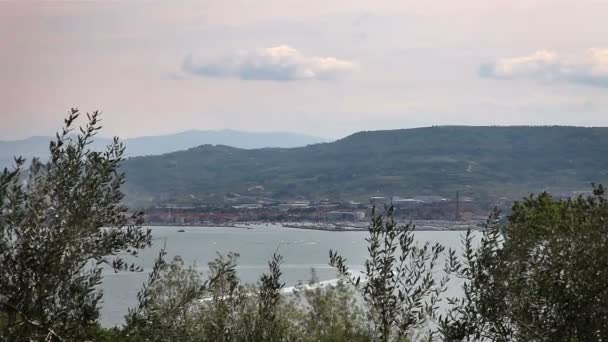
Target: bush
330, 313
60, 224
399, 288
178, 305
543, 276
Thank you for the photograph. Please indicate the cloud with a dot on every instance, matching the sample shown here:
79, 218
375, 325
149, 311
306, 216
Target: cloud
549, 66
279, 63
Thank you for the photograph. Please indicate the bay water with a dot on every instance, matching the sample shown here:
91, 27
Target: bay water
301, 249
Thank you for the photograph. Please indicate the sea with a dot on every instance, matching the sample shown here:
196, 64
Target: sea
302, 251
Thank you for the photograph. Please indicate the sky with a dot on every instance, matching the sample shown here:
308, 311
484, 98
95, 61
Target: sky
322, 67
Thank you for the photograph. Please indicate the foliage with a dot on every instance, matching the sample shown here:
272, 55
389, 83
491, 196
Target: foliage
480, 313
228, 311
399, 287
543, 276
179, 305
269, 327
60, 224
330, 313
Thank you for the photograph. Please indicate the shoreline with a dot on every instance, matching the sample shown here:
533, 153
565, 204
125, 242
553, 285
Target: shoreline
329, 227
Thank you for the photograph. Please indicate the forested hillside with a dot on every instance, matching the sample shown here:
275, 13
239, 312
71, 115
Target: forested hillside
477, 161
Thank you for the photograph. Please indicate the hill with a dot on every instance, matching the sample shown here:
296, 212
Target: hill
477, 161
152, 145
33, 146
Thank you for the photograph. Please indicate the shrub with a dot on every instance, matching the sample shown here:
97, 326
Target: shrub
60, 224
542, 276
399, 288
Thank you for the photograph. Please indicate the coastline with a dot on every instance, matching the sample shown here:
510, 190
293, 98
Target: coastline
330, 227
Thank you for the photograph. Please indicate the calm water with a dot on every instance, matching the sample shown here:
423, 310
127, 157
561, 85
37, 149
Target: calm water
301, 249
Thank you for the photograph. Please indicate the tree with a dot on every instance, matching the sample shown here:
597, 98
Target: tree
542, 276
61, 223
330, 313
398, 286
480, 314
177, 304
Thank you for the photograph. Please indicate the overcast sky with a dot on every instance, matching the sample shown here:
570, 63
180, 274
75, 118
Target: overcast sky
322, 67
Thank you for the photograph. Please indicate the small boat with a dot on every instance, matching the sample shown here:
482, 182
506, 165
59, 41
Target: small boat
181, 231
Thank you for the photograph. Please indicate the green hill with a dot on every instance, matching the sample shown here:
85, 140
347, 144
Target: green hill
477, 161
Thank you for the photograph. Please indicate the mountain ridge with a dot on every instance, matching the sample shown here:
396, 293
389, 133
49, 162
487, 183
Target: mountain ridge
478, 161
37, 146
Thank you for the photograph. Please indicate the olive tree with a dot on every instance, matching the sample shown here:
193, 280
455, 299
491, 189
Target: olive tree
179, 303
61, 223
400, 288
330, 312
541, 276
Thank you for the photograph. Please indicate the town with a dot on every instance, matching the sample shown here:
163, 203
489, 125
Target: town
431, 211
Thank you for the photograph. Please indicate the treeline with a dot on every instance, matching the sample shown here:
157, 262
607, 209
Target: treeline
540, 274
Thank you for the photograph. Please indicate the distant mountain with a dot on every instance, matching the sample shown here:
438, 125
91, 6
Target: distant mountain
246, 140
27, 148
151, 145
476, 161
